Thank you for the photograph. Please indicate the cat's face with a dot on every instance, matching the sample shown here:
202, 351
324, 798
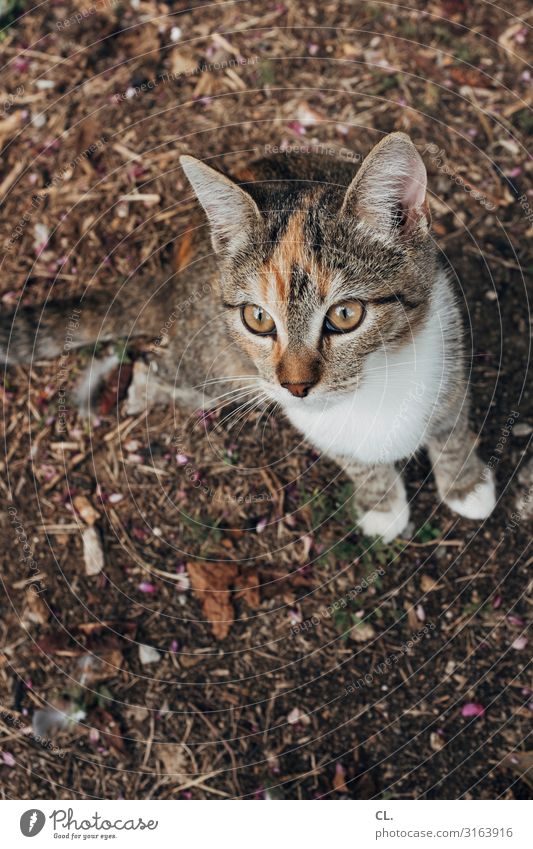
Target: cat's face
316, 276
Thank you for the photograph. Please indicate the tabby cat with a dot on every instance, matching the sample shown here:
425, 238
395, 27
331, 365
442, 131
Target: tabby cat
322, 291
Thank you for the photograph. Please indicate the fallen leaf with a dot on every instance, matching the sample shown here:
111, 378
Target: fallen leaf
428, 584
211, 584
247, 587
173, 757
469, 76
93, 554
182, 62
412, 618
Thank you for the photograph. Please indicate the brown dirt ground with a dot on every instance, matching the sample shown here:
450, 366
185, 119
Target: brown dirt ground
267, 710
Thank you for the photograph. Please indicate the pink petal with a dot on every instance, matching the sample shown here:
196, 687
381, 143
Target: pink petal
297, 127
295, 716
8, 759
261, 525
520, 643
182, 459
472, 709
147, 587
515, 620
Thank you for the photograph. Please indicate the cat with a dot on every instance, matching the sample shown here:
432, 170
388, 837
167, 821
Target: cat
320, 290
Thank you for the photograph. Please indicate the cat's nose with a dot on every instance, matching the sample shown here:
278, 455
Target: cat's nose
300, 390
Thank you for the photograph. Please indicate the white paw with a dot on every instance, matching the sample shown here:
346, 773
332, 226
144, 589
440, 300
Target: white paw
479, 503
387, 524
137, 399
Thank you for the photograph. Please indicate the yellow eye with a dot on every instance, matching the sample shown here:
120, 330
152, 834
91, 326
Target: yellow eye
344, 317
258, 320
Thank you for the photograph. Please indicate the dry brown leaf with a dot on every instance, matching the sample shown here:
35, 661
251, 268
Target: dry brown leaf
248, 589
173, 757
428, 584
182, 62
411, 616
211, 583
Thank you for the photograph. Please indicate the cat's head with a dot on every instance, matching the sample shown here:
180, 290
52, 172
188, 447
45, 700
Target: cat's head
317, 273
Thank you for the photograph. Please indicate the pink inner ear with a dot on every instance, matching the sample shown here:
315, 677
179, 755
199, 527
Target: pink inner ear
413, 192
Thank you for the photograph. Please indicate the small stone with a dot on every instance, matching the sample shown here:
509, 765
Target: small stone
147, 654
522, 429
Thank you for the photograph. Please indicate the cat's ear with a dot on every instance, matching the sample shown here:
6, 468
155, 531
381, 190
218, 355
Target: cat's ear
389, 191
230, 210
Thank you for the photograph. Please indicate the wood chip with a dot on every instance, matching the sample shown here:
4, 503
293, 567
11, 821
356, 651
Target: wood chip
211, 583
93, 554
88, 513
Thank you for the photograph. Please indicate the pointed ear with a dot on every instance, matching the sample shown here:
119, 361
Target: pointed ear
230, 210
389, 190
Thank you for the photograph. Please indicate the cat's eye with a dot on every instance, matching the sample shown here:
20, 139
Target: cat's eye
344, 317
258, 320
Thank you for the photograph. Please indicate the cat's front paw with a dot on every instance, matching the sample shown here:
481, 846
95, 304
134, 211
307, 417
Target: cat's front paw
387, 523
478, 503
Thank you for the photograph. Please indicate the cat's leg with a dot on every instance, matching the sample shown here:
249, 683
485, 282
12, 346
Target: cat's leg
464, 482
154, 383
379, 498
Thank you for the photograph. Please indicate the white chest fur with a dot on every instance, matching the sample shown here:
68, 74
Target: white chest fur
387, 417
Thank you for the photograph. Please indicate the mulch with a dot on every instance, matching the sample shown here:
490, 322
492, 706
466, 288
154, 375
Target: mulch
238, 637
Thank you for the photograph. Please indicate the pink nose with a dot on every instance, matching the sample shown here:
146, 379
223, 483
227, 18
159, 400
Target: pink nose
300, 390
